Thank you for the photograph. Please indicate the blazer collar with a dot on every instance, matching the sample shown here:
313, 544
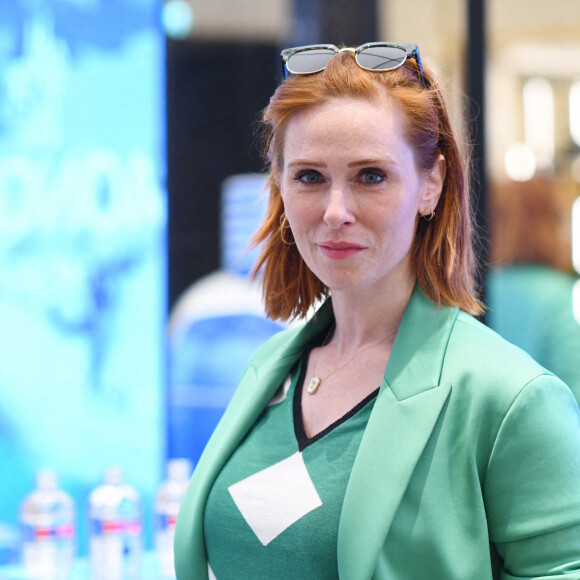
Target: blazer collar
406, 410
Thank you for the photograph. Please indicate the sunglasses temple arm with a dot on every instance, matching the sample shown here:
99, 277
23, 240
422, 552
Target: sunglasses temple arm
419, 65
284, 70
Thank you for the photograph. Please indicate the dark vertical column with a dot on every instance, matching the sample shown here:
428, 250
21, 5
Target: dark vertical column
215, 92
307, 21
475, 88
335, 22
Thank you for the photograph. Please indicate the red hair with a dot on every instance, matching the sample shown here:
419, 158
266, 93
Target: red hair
442, 250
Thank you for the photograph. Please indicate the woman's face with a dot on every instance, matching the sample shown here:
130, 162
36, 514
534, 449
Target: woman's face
352, 193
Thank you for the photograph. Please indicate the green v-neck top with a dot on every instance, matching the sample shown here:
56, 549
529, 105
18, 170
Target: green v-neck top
274, 509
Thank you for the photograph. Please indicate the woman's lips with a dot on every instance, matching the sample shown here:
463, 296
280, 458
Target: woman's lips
340, 250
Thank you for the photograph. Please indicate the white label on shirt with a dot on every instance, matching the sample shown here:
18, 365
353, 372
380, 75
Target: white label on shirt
280, 394
277, 497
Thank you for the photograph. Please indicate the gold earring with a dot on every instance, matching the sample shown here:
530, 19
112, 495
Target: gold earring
429, 214
284, 225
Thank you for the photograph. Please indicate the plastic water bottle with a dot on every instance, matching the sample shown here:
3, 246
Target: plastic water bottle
115, 529
47, 518
167, 504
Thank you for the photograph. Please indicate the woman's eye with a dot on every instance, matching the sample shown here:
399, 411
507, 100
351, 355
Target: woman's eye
309, 177
372, 176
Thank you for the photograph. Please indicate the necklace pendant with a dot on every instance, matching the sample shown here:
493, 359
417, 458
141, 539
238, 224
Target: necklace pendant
313, 385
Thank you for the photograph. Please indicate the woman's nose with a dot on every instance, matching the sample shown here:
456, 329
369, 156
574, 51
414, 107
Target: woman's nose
338, 211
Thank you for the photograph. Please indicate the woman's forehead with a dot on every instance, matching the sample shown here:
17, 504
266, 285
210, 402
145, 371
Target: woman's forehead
351, 124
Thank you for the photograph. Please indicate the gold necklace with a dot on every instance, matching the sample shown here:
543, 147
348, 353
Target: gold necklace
316, 381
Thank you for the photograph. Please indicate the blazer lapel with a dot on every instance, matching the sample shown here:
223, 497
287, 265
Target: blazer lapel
404, 415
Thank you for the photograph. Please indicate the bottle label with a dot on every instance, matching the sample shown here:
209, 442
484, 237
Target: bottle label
115, 527
166, 521
47, 533
48, 551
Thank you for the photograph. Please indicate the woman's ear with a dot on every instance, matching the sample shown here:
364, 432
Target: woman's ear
432, 186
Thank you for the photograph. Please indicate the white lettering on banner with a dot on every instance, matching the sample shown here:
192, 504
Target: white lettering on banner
98, 192
21, 192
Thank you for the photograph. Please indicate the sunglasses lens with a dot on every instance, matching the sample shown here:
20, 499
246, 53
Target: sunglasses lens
381, 57
309, 61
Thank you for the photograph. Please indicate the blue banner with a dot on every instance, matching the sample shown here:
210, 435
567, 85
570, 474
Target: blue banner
82, 246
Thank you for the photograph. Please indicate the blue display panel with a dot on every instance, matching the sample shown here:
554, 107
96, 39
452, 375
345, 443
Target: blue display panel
82, 245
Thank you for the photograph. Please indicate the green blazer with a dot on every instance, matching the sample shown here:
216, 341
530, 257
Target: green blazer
469, 467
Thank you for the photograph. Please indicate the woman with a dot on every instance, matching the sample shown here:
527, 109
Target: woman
391, 436
531, 284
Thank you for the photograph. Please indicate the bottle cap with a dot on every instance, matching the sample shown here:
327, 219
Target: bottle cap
179, 469
114, 475
46, 480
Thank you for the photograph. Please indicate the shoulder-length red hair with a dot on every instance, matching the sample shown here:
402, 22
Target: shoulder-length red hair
442, 250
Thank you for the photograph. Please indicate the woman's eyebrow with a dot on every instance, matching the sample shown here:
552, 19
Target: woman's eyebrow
307, 162
372, 161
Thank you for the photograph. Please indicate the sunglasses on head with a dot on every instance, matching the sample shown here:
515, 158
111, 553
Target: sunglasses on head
375, 56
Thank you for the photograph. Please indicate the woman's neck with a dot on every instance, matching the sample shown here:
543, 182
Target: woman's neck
364, 319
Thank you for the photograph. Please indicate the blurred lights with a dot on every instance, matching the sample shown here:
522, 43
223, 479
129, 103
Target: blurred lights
177, 18
576, 235
520, 162
576, 300
538, 99
574, 107
575, 168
